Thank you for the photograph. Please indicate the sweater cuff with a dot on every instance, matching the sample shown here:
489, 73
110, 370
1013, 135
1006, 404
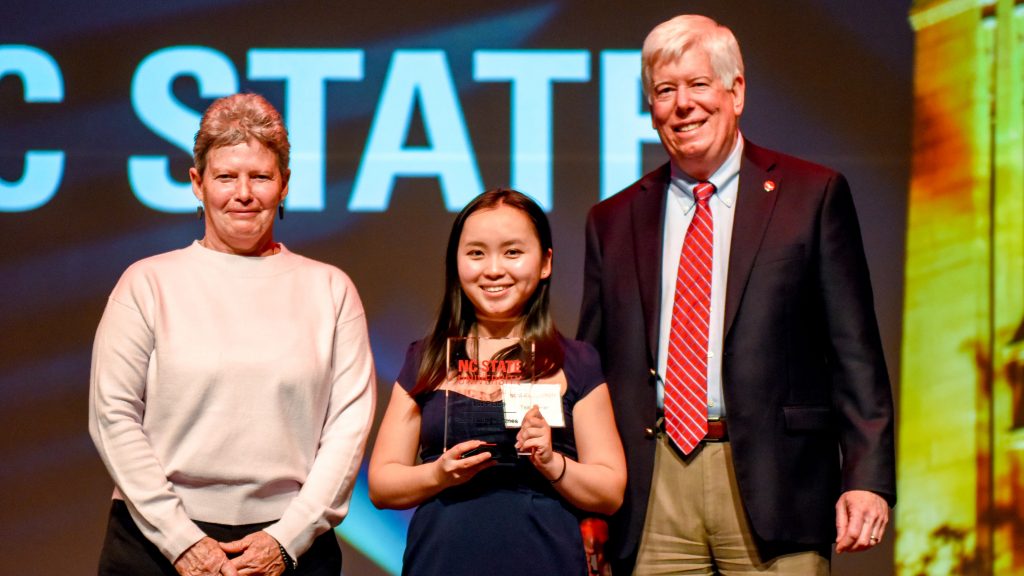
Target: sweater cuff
291, 535
175, 544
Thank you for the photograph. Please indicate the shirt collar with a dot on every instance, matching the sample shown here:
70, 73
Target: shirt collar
724, 178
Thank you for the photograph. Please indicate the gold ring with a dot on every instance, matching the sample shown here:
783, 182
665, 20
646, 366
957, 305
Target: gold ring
873, 539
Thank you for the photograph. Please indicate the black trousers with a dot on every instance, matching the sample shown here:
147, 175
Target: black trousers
126, 552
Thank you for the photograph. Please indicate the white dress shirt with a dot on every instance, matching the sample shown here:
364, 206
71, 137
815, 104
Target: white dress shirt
679, 210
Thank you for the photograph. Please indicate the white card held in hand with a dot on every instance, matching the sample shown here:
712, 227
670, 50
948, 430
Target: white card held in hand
519, 398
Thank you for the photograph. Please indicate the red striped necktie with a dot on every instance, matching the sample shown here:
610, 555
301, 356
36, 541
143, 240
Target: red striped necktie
686, 376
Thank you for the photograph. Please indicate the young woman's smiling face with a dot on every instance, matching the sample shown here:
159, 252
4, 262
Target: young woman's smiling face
500, 263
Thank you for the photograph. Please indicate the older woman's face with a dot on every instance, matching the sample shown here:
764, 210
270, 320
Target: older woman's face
240, 190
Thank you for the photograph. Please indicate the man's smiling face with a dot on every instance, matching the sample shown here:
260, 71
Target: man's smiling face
696, 117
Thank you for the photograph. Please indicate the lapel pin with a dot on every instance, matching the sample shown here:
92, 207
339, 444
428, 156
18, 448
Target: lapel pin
769, 185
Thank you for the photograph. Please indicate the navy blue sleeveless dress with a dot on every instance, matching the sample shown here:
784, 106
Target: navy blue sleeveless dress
508, 519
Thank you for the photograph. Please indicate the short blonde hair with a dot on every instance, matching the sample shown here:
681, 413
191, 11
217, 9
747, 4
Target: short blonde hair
671, 39
236, 119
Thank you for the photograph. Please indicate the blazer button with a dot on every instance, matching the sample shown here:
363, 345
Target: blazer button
650, 432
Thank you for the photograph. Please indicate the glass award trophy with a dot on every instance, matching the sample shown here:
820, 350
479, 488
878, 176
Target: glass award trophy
491, 385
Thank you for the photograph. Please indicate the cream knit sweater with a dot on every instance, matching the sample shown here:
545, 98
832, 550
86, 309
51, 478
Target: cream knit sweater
232, 390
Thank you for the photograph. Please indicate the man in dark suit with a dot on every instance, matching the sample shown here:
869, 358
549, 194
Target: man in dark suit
749, 298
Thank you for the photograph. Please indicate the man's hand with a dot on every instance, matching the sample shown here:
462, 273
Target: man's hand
259, 554
204, 558
861, 518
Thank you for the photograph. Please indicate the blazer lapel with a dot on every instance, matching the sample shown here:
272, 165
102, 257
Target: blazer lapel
754, 207
648, 213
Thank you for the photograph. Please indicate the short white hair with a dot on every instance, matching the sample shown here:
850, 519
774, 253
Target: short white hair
669, 40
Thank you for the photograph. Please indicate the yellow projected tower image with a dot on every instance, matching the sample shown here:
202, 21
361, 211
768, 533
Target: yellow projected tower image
961, 419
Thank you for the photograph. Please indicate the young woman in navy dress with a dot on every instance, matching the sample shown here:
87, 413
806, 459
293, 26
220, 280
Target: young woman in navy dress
476, 514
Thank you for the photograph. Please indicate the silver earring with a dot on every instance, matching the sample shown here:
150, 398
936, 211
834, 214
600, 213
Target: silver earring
280, 211
200, 213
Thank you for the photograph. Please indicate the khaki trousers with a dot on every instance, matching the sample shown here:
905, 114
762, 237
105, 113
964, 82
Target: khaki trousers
696, 524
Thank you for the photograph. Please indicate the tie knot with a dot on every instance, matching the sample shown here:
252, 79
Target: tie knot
703, 191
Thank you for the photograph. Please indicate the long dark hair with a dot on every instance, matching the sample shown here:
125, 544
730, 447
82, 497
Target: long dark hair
457, 316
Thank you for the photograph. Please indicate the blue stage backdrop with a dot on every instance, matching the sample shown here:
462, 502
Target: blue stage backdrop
398, 114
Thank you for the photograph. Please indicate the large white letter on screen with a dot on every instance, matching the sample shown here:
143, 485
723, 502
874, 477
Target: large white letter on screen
422, 75
305, 72
42, 81
624, 125
156, 106
532, 73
